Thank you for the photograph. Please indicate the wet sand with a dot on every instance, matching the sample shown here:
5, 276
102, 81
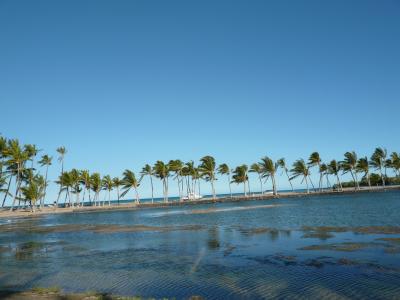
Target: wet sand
6, 213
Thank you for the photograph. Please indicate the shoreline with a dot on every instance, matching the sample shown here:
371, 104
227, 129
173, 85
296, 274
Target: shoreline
133, 206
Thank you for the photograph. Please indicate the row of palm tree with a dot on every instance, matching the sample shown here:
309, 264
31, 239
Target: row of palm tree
17, 162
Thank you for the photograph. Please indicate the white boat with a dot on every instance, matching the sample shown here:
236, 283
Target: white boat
192, 196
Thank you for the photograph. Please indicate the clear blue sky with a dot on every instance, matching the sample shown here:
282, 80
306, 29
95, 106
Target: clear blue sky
124, 83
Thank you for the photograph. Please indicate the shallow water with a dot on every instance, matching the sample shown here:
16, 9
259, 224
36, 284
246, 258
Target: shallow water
236, 250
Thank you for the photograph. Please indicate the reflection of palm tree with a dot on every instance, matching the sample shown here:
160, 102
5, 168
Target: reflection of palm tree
223, 169
334, 168
363, 166
300, 169
268, 168
240, 176
349, 165
281, 162
377, 161
129, 181
147, 170
207, 170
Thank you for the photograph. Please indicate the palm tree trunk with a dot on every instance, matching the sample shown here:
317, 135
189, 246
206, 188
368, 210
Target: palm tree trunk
212, 187
17, 183
8, 191
368, 179
152, 189
290, 182
137, 196
244, 188
340, 184
273, 184
118, 194
356, 179
308, 190
383, 179
312, 184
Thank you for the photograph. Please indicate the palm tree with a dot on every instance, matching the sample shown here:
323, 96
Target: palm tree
188, 172
196, 177
32, 193
147, 170
223, 169
3, 183
86, 182
61, 151
301, 169
268, 169
395, 157
161, 171
282, 163
66, 182
45, 161
256, 168
75, 185
118, 182
108, 185
323, 169
176, 166
315, 160
207, 170
31, 152
240, 176
363, 166
128, 182
333, 168
17, 158
95, 184
377, 161
349, 165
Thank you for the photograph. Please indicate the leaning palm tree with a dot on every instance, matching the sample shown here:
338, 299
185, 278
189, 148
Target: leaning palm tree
177, 166
315, 160
129, 181
378, 161
282, 163
301, 169
45, 161
207, 169
395, 158
268, 169
117, 183
108, 185
240, 176
3, 184
363, 166
147, 170
256, 168
349, 165
223, 169
333, 168
161, 171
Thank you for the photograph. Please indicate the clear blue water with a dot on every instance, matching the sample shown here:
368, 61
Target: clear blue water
212, 250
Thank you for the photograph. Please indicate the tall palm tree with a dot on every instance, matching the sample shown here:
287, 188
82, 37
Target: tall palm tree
129, 181
315, 160
256, 168
207, 169
301, 169
16, 159
95, 184
282, 163
240, 176
31, 151
118, 182
161, 171
32, 193
61, 151
66, 183
349, 165
147, 170
188, 172
363, 166
333, 168
75, 185
45, 161
268, 169
176, 166
3, 183
108, 185
395, 157
196, 177
378, 161
223, 169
